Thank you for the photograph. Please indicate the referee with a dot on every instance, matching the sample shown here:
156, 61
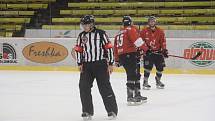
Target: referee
95, 59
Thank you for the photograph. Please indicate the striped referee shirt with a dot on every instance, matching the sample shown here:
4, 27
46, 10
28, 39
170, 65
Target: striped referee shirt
93, 45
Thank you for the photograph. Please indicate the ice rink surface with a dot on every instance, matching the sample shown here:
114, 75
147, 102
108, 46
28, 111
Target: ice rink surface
54, 96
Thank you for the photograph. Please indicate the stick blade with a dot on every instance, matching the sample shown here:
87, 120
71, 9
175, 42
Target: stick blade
197, 55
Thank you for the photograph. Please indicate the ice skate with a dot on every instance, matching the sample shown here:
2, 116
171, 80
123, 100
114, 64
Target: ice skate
134, 101
86, 116
146, 86
139, 97
130, 94
159, 84
111, 116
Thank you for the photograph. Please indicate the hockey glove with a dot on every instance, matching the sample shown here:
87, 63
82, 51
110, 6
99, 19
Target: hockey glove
148, 52
165, 53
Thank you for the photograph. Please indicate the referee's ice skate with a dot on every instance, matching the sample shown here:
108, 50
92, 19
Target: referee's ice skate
86, 116
112, 116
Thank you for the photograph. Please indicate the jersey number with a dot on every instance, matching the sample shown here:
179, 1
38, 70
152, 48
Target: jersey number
120, 40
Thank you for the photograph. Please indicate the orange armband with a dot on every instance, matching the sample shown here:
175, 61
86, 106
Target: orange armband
108, 45
78, 49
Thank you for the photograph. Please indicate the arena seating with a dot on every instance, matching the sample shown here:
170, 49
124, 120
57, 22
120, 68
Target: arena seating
172, 14
6, 34
15, 15
162, 20
135, 5
116, 27
26, 1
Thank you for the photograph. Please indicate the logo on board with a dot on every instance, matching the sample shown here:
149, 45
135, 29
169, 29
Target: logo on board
7, 53
45, 52
207, 57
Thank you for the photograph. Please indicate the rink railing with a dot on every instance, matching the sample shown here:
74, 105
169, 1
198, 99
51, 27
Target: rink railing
54, 54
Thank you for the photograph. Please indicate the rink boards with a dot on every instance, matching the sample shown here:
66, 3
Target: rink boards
55, 54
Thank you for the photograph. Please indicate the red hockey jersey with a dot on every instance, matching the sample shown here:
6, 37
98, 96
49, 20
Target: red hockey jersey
155, 40
127, 41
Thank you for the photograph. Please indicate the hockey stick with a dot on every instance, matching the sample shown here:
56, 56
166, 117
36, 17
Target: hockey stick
193, 58
176, 56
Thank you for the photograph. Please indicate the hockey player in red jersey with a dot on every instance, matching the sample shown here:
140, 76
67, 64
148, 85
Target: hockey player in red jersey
154, 38
125, 52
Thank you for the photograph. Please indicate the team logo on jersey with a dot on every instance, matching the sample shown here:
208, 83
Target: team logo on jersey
84, 39
7, 53
207, 57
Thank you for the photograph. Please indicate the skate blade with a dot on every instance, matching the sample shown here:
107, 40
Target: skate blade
111, 117
87, 118
136, 103
144, 101
146, 88
158, 87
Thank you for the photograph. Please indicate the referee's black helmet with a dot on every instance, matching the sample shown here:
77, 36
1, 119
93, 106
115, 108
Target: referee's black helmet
88, 19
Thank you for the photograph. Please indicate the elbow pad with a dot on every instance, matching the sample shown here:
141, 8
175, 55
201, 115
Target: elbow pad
78, 49
108, 46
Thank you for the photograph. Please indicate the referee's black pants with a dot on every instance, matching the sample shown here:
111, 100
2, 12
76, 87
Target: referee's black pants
98, 70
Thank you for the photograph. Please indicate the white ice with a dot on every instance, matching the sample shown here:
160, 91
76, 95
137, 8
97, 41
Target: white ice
54, 96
